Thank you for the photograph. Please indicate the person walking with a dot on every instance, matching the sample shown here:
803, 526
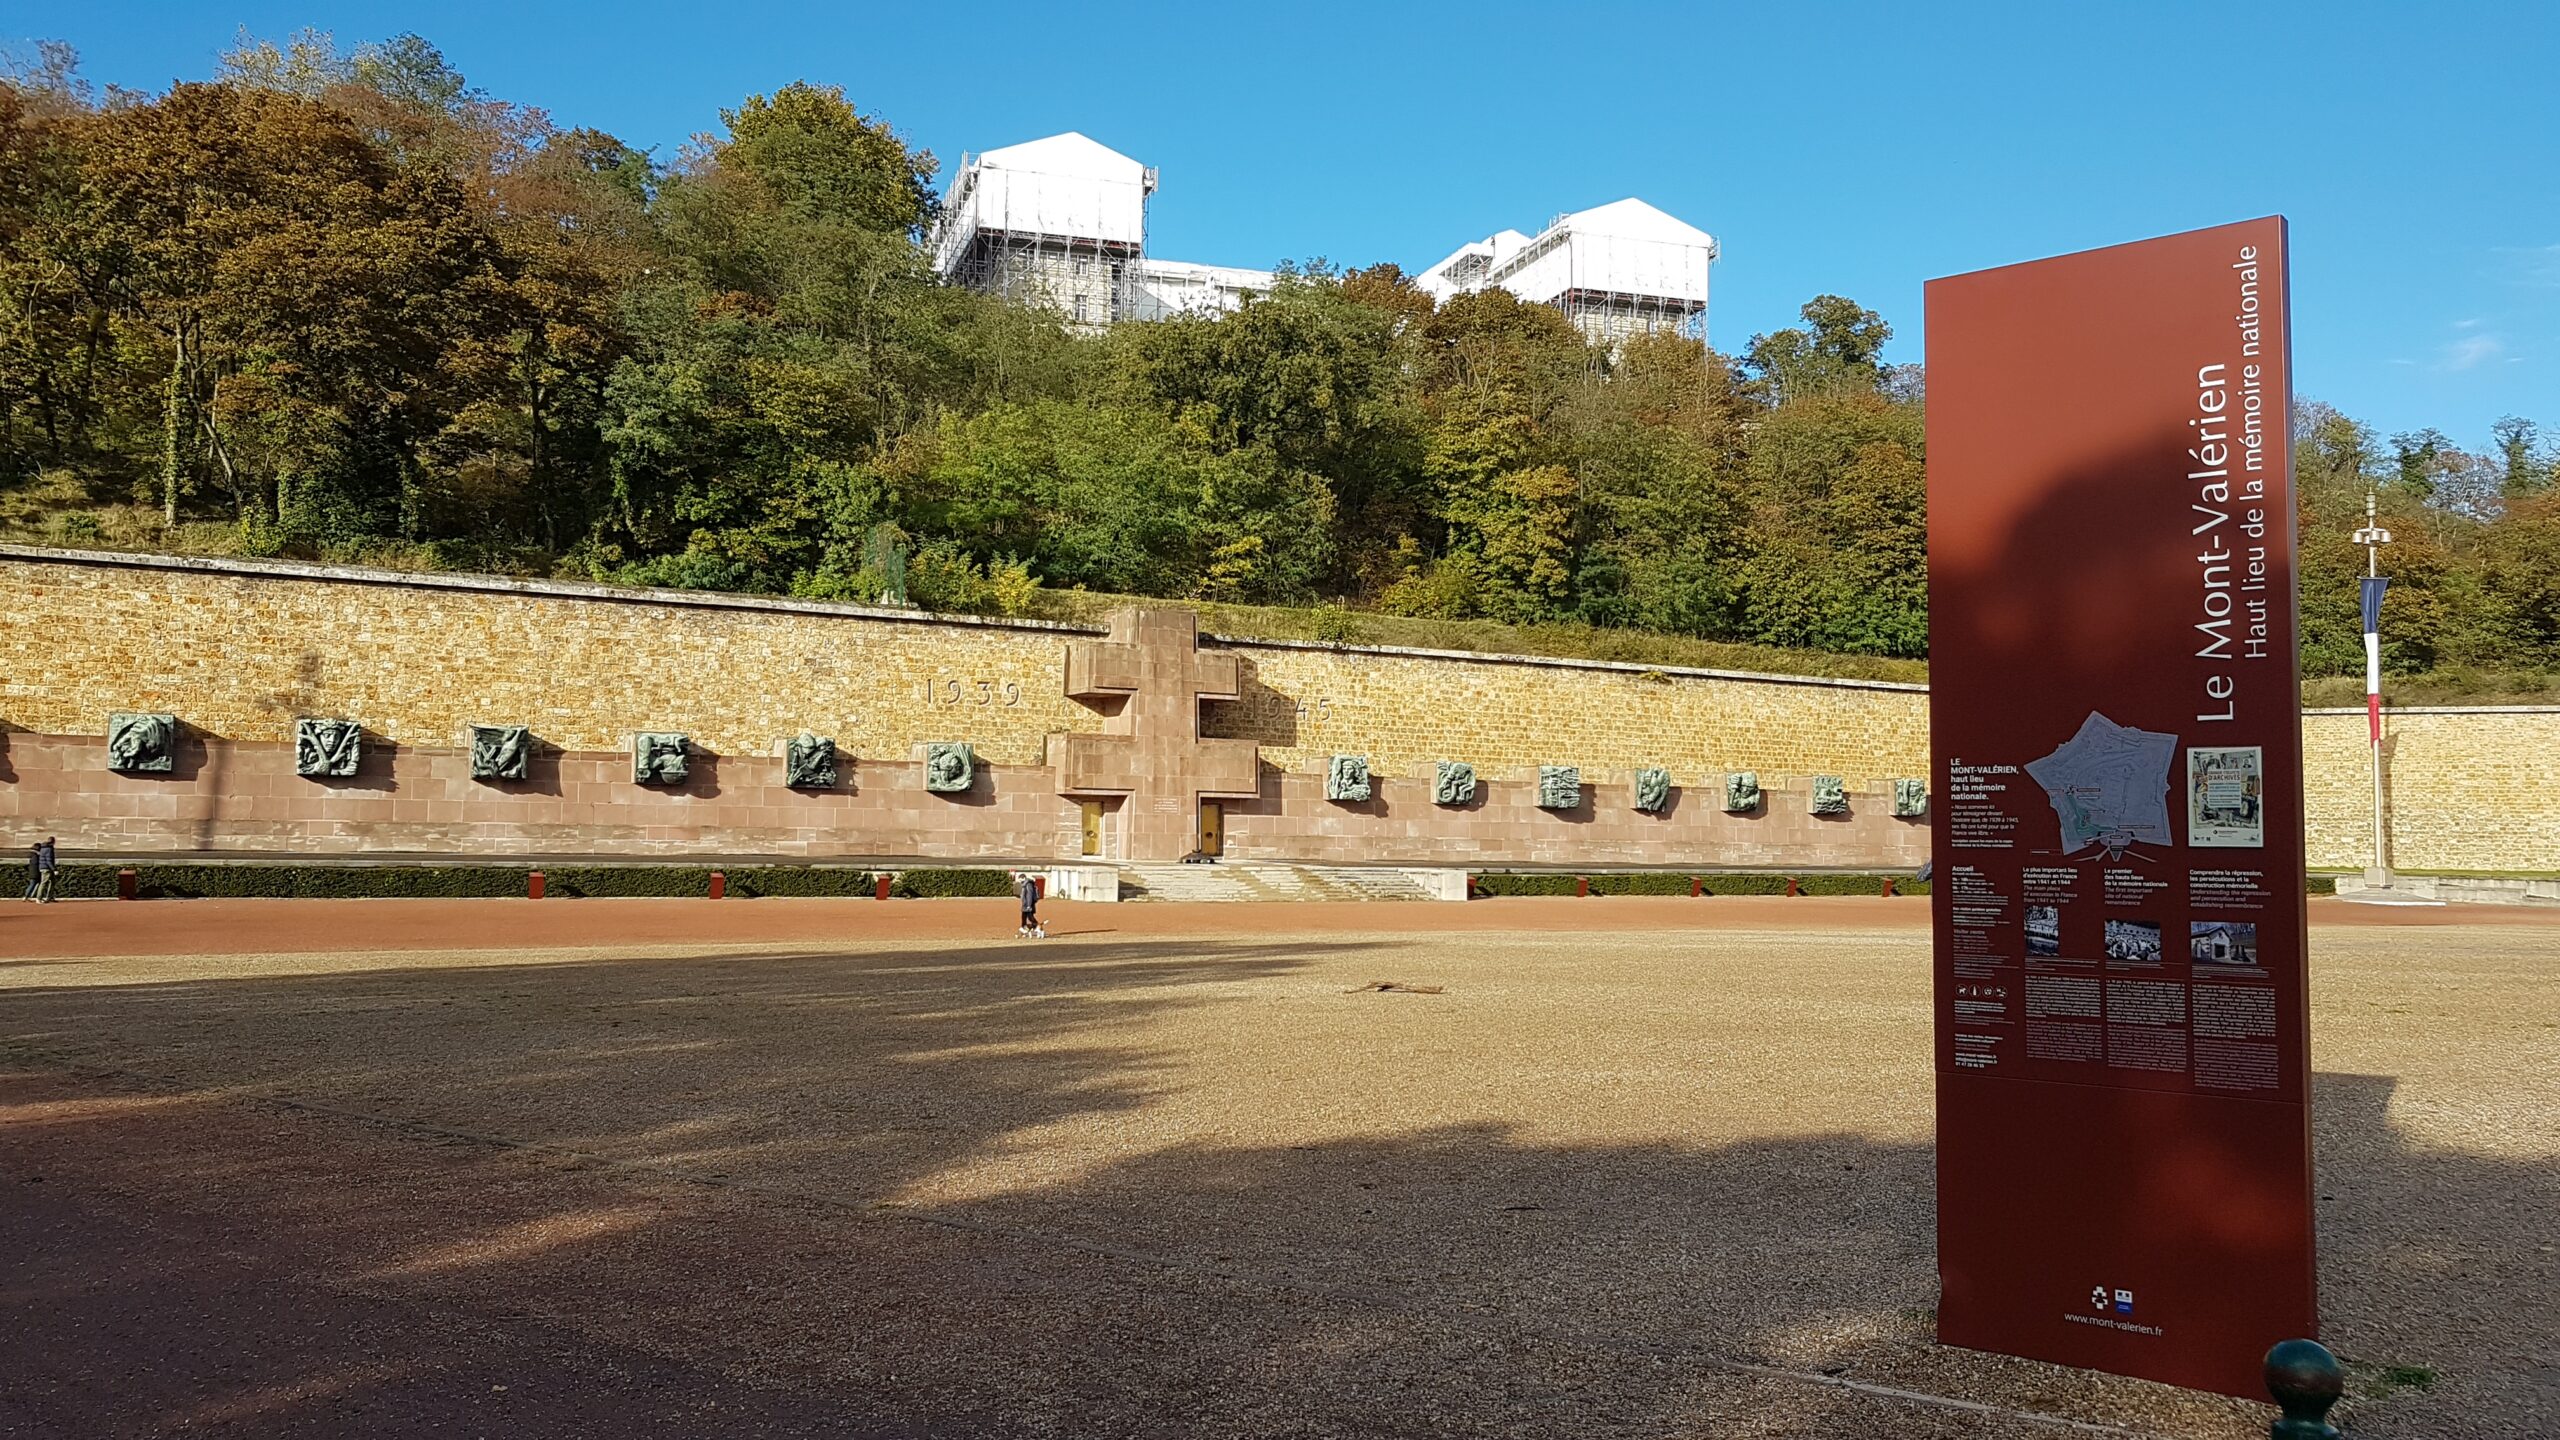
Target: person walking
46, 865
1026, 887
35, 870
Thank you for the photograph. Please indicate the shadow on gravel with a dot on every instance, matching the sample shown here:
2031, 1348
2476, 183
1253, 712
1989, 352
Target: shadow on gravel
742, 1189
856, 1073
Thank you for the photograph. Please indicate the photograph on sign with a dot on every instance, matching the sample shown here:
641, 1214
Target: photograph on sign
2226, 796
2044, 930
2133, 942
2223, 942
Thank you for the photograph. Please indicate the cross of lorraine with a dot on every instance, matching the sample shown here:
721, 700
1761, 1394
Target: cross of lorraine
1150, 679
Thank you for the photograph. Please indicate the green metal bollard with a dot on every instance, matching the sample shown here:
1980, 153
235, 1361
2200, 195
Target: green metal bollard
2305, 1380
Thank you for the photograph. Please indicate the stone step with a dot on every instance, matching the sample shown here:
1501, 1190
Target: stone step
1184, 882
1227, 882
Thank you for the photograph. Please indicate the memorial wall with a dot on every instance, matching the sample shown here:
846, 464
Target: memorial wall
236, 652
611, 687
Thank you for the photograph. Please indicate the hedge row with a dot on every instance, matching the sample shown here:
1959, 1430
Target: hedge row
450, 882
950, 884
1524, 885
296, 882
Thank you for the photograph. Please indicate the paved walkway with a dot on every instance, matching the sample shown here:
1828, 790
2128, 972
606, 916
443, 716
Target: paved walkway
238, 927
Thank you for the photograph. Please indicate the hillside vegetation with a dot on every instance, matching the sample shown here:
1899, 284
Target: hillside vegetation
340, 305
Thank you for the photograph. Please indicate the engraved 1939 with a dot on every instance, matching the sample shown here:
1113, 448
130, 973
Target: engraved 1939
948, 691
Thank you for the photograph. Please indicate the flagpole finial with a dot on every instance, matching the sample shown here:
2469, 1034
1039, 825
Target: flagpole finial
2372, 536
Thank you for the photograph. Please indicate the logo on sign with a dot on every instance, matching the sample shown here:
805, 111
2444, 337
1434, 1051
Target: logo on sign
2124, 1302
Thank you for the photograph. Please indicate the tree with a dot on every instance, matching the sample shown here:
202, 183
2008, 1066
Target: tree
1495, 375
823, 160
1839, 527
1839, 348
409, 71
362, 308
301, 291
1385, 287
53, 342
47, 84
2526, 470
2417, 459
2332, 452
305, 64
723, 432
1308, 373
1658, 449
2522, 578
1115, 498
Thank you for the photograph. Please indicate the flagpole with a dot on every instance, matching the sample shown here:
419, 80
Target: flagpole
2373, 537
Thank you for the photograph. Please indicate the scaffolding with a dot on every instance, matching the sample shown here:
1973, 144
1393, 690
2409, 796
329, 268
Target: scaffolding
1060, 222
1611, 317
1089, 282
1167, 288
1615, 271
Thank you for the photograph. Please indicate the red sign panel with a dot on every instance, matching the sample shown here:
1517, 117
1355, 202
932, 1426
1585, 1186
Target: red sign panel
2124, 1151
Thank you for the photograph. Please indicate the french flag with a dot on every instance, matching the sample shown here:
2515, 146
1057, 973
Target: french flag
2373, 587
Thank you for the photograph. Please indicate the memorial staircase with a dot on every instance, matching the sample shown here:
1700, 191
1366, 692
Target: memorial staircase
1227, 881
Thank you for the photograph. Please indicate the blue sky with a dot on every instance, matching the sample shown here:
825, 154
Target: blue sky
1850, 148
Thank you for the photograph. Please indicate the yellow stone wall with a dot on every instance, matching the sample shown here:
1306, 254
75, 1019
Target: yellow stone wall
2465, 789
237, 651
1406, 711
238, 654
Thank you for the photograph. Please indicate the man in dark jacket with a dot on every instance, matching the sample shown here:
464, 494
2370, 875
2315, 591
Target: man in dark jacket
1026, 887
44, 864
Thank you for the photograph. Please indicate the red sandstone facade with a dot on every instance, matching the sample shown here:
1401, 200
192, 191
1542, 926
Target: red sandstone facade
240, 799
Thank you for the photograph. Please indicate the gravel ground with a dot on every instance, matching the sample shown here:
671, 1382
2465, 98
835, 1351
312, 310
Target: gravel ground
1606, 1184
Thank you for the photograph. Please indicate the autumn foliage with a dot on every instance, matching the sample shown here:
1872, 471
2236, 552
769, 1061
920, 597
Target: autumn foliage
338, 304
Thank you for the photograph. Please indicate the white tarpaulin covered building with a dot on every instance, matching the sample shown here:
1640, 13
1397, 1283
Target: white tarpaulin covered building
1615, 270
1060, 221
1063, 222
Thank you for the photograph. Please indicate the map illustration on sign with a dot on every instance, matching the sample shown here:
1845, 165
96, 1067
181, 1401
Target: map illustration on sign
2109, 784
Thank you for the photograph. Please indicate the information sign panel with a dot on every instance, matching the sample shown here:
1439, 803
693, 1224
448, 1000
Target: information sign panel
2124, 1172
